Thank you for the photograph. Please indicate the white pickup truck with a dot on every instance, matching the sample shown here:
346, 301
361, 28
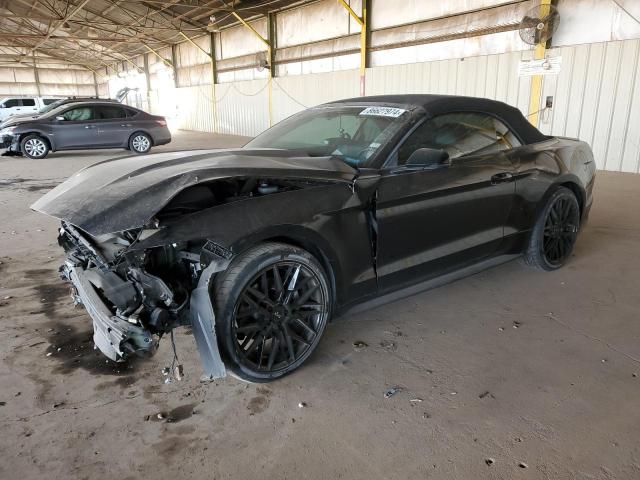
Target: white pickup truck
10, 106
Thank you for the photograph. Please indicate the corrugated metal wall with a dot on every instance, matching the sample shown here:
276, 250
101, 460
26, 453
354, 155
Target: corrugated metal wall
53, 81
295, 93
597, 99
490, 76
596, 96
242, 108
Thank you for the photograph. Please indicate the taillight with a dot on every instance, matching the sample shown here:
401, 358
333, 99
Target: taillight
162, 123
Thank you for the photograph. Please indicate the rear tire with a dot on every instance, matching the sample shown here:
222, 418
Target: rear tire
269, 319
140, 143
34, 146
555, 231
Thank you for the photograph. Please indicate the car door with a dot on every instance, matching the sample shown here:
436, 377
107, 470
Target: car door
440, 218
11, 107
114, 127
29, 106
75, 128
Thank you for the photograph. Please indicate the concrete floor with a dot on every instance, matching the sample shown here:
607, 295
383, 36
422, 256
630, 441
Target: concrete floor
509, 374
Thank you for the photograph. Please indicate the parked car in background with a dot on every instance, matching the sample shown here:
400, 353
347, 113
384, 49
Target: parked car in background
14, 119
86, 125
10, 106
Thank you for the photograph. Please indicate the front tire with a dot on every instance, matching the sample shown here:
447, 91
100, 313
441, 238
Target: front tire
34, 146
140, 143
272, 306
555, 231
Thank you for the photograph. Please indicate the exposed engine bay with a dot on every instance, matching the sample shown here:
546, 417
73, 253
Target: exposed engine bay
135, 296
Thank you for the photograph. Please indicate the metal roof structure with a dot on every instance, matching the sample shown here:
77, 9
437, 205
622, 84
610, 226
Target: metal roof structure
95, 33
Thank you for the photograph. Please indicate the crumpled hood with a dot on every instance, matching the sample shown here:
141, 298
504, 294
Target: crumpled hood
121, 194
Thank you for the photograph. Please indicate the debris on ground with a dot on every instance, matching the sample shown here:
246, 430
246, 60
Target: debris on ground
388, 345
489, 461
392, 391
360, 345
523, 465
302, 405
416, 400
486, 393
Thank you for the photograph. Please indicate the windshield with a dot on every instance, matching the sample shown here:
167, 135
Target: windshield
51, 106
353, 134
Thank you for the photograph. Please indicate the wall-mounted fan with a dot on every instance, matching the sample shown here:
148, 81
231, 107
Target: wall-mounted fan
539, 24
261, 61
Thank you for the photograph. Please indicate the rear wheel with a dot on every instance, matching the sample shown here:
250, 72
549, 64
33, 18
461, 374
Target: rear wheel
34, 146
140, 143
272, 306
555, 231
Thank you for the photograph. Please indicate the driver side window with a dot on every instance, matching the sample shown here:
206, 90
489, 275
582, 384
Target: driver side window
459, 134
79, 114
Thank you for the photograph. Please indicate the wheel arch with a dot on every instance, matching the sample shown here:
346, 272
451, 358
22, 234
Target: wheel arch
141, 130
578, 191
22, 136
305, 238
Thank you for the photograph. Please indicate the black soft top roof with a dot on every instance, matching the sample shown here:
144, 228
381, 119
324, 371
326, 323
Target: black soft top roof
438, 104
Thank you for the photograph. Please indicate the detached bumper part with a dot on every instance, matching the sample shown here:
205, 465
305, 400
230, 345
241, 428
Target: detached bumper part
202, 320
115, 337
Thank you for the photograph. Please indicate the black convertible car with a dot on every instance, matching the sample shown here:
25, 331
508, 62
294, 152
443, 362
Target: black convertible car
346, 204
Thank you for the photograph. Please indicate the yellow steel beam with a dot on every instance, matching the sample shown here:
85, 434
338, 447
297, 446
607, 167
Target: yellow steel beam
352, 13
362, 21
255, 32
536, 81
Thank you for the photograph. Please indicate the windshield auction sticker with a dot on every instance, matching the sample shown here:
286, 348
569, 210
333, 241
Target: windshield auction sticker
383, 112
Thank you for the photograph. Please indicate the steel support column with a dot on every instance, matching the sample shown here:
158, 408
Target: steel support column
536, 81
35, 74
270, 55
365, 34
147, 77
174, 63
212, 59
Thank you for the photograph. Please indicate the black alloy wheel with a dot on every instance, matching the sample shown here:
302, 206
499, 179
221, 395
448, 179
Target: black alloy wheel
560, 230
555, 231
271, 323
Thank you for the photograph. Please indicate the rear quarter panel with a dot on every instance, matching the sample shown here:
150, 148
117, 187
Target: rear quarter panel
539, 169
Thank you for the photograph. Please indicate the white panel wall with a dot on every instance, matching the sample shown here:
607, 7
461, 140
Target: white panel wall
597, 99
195, 108
292, 94
242, 108
490, 76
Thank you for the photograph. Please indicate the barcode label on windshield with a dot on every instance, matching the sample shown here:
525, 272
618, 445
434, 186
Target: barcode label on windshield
383, 112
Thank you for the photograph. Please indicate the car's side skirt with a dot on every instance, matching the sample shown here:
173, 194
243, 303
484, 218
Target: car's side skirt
426, 285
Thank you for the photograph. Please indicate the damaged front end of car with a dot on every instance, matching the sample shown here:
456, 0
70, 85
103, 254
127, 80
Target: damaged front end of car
136, 296
145, 238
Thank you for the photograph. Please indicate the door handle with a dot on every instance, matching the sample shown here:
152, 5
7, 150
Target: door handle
501, 178
89, 126
125, 125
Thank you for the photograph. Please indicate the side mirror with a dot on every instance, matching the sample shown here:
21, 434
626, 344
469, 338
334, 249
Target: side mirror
2, 106
428, 157
60, 118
